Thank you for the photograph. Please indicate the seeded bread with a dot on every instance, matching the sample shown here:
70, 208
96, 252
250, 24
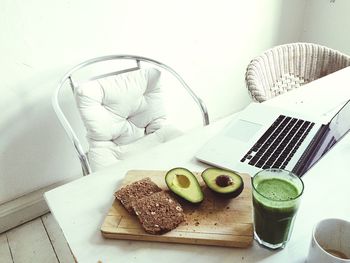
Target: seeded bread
135, 191
158, 213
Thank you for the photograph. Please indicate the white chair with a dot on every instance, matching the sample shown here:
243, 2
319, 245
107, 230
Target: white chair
123, 111
286, 67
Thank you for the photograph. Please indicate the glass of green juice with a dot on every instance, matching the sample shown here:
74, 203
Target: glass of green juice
276, 198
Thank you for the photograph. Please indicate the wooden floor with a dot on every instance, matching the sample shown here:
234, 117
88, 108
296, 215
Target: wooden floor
40, 240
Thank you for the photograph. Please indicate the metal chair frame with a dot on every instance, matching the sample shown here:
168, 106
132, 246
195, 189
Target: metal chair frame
68, 77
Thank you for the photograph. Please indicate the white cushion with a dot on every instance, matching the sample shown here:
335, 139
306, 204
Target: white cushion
103, 155
118, 111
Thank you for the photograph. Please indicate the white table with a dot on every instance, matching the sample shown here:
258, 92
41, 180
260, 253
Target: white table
80, 206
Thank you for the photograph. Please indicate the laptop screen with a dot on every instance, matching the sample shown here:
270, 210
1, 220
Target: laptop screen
335, 130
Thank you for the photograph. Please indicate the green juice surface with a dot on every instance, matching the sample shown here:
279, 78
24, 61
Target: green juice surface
277, 189
275, 210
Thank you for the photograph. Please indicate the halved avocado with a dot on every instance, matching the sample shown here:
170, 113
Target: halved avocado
223, 182
183, 183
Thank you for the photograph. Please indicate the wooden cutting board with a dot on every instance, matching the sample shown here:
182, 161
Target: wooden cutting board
216, 221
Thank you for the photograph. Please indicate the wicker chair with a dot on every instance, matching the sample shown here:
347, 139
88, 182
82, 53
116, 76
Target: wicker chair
286, 67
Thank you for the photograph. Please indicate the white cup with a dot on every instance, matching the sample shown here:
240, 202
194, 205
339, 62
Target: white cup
330, 242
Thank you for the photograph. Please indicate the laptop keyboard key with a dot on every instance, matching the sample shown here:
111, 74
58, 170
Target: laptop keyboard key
259, 164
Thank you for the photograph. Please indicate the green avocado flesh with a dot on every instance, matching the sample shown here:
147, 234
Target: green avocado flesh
223, 182
183, 183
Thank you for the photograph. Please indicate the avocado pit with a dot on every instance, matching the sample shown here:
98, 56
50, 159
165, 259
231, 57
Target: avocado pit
224, 183
223, 180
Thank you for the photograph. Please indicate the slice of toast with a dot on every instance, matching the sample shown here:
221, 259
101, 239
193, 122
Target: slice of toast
158, 213
135, 191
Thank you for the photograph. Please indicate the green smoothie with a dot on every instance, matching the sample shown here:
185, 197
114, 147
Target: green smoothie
275, 204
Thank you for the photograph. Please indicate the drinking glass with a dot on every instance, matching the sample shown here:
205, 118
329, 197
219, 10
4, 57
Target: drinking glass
276, 198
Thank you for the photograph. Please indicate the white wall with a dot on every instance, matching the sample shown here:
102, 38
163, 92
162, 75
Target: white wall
327, 22
208, 42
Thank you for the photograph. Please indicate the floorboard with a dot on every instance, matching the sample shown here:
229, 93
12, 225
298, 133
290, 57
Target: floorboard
30, 243
57, 238
5, 253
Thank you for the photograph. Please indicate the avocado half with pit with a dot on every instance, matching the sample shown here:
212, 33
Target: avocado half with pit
223, 182
184, 183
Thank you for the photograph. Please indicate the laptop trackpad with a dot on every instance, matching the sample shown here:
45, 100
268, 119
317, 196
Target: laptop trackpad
243, 130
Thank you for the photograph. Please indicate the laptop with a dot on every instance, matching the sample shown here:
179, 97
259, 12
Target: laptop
267, 137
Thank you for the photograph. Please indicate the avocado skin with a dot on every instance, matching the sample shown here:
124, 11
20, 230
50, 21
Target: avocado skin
195, 182
227, 195
230, 194
185, 202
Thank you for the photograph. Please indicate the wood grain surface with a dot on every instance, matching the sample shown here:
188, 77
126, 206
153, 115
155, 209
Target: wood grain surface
215, 221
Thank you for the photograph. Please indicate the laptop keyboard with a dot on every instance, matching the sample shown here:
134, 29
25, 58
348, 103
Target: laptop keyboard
278, 144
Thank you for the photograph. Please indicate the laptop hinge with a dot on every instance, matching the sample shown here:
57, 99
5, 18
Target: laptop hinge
304, 162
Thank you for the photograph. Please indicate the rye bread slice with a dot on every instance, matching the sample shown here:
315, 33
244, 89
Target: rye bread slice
135, 191
158, 213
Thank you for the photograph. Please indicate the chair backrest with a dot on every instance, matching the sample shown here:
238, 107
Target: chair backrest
289, 66
129, 115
